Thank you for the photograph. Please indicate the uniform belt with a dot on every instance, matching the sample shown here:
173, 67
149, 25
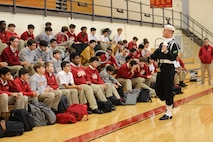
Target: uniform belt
166, 61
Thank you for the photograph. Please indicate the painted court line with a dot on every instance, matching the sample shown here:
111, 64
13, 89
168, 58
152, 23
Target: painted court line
134, 119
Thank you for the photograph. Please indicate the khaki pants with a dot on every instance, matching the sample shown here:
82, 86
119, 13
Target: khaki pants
15, 70
129, 83
20, 102
98, 92
74, 96
88, 93
145, 86
2, 46
104, 46
21, 45
179, 76
51, 99
207, 67
115, 92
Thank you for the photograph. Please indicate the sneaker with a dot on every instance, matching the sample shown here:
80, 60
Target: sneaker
97, 111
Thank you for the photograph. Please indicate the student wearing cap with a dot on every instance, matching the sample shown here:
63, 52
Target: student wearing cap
166, 54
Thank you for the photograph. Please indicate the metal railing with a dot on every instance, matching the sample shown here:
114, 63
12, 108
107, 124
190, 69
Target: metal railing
125, 11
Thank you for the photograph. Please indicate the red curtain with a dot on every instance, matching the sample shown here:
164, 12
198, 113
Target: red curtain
160, 3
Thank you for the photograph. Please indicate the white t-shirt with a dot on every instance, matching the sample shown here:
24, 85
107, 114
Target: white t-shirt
104, 39
117, 38
64, 78
93, 37
177, 64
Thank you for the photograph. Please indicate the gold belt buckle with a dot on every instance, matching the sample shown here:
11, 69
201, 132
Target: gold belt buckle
158, 70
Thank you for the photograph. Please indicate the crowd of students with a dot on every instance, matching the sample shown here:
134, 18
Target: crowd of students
47, 66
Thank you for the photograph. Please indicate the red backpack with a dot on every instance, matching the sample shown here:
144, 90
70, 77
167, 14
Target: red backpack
78, 110
65, 118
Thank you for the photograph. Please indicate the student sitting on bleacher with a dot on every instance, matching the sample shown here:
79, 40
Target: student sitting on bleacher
56, 61
125, 76
180, 72
93, 76
8, 97
10, 55
53, 46
38, 83
66, 82
87, 53
21, 85
105, 41
42, 52
63, 39
111, 60
121, 57
44, 35
133, 43
29, 33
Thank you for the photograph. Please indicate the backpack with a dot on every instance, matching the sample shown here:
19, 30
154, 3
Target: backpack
120, 90
23, 116
49, 114
38, 115
11, 128
65, 118
114, 100
144, 96
105, 106
130, 97
78, 110
63, 104
177, 90
14, 128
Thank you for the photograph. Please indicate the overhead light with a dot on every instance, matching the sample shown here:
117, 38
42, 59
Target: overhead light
120, 10
82, 4
147, 15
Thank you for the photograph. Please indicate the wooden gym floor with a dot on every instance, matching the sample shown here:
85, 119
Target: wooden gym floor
192, 122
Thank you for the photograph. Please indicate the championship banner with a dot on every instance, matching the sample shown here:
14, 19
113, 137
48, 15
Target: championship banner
160, 3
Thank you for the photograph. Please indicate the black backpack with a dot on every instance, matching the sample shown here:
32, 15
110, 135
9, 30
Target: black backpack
144, 96
23, 116
114, 100
105, 106
63, 104
11, 128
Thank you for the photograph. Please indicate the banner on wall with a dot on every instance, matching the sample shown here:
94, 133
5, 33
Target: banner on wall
160, 3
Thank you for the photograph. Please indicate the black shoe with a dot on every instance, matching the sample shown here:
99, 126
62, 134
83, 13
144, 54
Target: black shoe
97, 111
165, 117
113, 108
121, 103
89, 112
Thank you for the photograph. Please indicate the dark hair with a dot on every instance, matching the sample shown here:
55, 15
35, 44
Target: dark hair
73, 55
56, 51
11, 25
206, 38
30, 42
48, 29
128, 58
110, 68
38, 65
133, 62
135, 38
72, 26
1, 22
23, 71
133, 50
47, 63
141, 46
125, 41
91, 41
64, 28
84, 27
92, 29
109, 49
143, 59
4, 70
63, 64
48, 24
145, 41
12, 38
121, 42
92, 59
105, 31
43, 43
119, 29
30, 26
52, 40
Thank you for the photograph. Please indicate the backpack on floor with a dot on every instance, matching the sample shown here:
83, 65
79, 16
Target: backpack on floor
14, 128
177, 90
65, 118
63, 104
79, 110
105, 106
49, 114
23, 116
144, 96
38, 115
114, 100
130, 97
